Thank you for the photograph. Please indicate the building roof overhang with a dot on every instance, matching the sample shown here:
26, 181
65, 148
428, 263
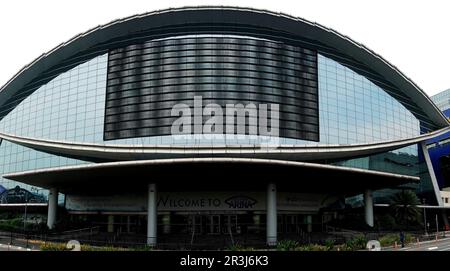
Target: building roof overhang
112, 152
210, 173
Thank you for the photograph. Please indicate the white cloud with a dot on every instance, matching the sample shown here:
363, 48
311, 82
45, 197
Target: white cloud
412, 35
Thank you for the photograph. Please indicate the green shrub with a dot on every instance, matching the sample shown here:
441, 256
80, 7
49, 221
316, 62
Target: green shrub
235, 247
285, 245
348, 245
316, 247
104, 248
304, 248
16, 224
389, 240
409, 238
343, 247
360, 242
63, 247
107, 248
143, 248
54, 247
238, 247
329, 244
311, 247
13, 224
355, 243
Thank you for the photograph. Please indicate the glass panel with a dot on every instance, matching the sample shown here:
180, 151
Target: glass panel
71, 107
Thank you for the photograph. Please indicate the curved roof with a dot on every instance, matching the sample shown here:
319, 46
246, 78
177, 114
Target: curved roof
110, 152
183, 173
226, 15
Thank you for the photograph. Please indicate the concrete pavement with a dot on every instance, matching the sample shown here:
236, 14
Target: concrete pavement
4, 247
433, 245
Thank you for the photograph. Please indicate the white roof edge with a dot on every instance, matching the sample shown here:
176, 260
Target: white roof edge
208, 160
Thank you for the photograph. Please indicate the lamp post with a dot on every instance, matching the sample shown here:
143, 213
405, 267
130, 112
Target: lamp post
425, 217
437, 227
25, 214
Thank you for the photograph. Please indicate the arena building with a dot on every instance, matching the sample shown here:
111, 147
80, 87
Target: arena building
215, 121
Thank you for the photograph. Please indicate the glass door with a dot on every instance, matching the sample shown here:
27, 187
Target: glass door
291, 223
230, 224
214, 224
195, 224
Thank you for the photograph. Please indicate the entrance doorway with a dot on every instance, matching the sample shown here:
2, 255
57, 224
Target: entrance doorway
213, 224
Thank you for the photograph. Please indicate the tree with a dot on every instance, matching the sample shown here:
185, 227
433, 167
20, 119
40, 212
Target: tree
404, 208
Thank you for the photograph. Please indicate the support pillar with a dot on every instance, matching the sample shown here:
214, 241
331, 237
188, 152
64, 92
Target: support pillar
166, 223
368, 207
434, 181
271, 229
52, 207
152, 215
309, 223
110, 227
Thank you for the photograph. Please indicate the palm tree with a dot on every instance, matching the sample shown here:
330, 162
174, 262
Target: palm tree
404, 208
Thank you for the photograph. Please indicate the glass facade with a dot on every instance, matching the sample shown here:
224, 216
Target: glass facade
355, 110
442, 100
71, 107
405, 161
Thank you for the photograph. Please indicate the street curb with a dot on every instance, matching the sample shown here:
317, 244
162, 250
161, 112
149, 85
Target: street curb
16, 248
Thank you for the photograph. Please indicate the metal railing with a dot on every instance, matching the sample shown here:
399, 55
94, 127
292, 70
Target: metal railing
192, 240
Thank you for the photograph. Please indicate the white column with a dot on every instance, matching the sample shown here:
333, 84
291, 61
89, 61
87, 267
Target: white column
152, 215
271, 229
52, 207
309, 223
166, 223
368, 207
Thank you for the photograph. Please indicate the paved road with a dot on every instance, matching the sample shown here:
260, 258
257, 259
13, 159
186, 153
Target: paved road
4, 247
440, 245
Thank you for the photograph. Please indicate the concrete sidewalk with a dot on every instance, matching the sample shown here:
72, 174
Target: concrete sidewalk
4, 247
429, 245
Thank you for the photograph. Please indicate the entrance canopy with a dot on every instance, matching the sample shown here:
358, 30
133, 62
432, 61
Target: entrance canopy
197, 174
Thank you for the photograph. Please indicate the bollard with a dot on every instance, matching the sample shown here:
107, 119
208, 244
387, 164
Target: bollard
395, 244
418, 243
